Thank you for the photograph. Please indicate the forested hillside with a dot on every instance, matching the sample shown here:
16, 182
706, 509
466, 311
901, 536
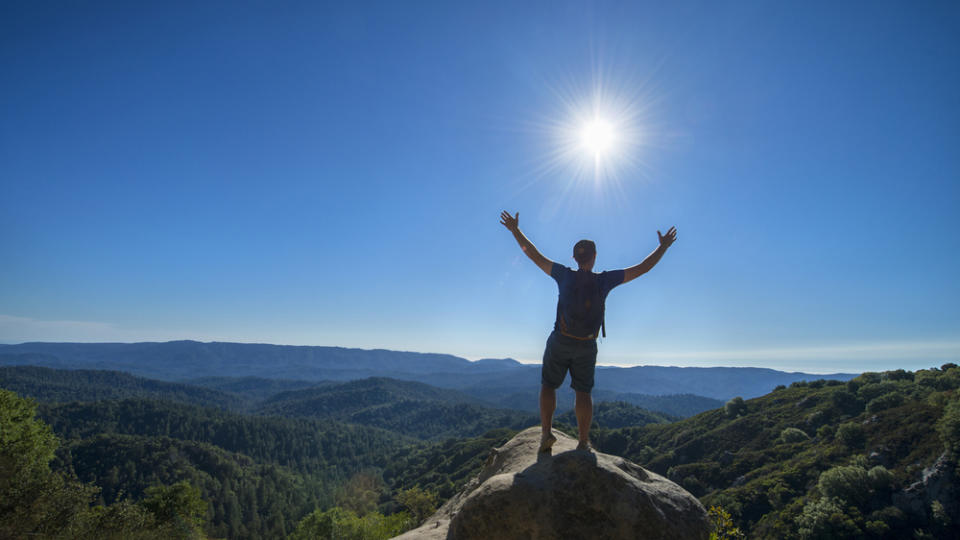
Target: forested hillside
332, 449
618, 414
875, 457
411, 408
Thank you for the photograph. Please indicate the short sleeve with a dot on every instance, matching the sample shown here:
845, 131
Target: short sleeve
609, 280
558, 271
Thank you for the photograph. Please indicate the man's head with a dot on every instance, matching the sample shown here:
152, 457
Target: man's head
585, 253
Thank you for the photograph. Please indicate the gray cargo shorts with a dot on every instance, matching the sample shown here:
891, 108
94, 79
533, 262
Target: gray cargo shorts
564, 353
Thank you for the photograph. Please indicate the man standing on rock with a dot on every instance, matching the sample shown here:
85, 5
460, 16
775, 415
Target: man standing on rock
572, 346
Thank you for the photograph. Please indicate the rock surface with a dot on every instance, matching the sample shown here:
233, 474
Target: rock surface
568, 493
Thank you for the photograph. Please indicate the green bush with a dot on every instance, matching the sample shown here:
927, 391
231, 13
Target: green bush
346, 525
884, 402
870, 391
793, 435
826, 432
851, 434
826, 518
949, 427
898, 375
881, 480
722, 525
846, 402
847, 483
735, 407
418, 502
868, 377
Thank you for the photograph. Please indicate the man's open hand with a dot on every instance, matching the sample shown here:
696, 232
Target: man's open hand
667, 239
512, 223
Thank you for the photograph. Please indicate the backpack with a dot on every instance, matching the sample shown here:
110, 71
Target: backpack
582, 316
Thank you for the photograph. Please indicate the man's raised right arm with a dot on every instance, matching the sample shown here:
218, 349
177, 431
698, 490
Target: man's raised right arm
512, 223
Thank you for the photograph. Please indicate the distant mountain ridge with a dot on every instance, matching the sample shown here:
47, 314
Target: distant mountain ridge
489, 379
61, 386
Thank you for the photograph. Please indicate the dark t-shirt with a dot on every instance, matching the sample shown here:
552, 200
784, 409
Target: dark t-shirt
566, 279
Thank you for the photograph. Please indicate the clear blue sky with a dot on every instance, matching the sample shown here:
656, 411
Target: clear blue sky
311, 173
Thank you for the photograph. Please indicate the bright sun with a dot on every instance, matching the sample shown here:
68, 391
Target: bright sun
598, 133
598, 137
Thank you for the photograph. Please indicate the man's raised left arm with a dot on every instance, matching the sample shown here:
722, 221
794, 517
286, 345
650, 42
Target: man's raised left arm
637, 270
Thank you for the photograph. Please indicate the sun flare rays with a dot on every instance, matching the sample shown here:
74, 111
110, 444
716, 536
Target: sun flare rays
594, 137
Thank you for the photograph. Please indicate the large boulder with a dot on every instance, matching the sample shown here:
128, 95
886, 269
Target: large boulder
568, 493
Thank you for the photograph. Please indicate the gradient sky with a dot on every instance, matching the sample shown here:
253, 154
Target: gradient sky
332, 174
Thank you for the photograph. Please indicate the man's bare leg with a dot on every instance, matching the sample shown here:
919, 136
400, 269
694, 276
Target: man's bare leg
548, 403
584, 411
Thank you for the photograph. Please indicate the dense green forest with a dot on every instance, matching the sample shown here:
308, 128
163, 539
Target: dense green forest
412, 408
873, 457
617, 414
303, 445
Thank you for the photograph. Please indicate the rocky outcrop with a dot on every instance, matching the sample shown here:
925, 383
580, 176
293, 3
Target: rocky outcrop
568, 493
937, 484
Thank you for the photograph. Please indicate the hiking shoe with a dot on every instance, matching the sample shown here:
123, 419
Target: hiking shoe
585, 446
546, 442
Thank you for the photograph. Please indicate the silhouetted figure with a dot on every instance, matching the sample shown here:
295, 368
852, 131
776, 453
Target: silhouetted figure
572, 346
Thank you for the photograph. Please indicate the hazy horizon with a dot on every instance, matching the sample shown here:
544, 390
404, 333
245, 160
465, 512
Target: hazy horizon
822, 367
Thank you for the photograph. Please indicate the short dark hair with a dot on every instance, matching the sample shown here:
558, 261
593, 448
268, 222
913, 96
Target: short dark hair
584, 250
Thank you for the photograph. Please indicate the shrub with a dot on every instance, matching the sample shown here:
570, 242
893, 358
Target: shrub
884, 402
345, 524
825, 518
868, 377
898, 375
891, 515
851, 434
847, 483
846, 401
418, 502
815, 419
735, 407
722, 525
877, 529
949, 427
826, 431
793, 435
870, 391
881, 480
